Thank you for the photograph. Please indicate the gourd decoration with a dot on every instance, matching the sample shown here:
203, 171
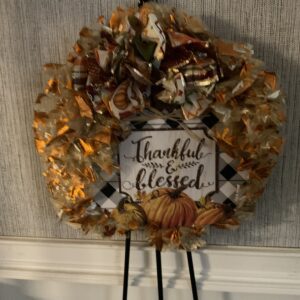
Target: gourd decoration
168, 208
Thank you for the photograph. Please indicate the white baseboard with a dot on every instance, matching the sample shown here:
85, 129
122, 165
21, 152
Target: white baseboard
228, 269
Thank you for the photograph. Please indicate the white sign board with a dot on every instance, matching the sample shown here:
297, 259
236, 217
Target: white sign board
151, 159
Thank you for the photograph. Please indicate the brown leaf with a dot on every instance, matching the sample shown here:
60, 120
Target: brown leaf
85, 110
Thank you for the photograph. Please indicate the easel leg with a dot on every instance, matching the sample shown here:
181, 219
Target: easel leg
126, 264
159, 275
192, 275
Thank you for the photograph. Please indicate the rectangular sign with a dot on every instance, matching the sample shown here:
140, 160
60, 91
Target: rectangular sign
151, 159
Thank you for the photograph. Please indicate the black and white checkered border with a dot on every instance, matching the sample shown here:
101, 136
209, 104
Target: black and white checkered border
229, 178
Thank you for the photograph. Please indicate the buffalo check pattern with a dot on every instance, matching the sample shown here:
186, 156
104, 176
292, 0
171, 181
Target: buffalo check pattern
229, 179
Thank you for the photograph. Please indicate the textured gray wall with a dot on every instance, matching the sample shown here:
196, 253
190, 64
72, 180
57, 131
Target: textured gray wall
33, 32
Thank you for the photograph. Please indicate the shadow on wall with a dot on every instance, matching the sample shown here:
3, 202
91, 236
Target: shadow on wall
10, 290
49, 290
46, 290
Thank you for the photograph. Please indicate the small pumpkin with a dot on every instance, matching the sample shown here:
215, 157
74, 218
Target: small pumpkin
169, 208
209, 216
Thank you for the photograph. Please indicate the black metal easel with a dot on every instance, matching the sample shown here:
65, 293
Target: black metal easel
159, 271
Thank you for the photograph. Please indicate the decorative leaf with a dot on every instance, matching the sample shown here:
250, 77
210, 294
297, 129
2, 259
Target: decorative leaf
135, 24
144, 48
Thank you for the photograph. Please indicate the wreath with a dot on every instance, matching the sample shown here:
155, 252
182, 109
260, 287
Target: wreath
149, 63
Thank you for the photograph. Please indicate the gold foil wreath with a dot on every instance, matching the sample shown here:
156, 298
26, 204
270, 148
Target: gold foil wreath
153, 62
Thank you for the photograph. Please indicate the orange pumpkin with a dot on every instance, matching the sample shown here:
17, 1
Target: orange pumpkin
169, 208
209, 216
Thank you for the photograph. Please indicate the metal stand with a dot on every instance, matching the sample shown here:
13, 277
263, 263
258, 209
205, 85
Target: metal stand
159, 275
126, 264
192, 275
159, 271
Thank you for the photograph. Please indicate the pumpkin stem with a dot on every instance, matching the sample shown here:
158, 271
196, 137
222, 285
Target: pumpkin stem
174, 194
